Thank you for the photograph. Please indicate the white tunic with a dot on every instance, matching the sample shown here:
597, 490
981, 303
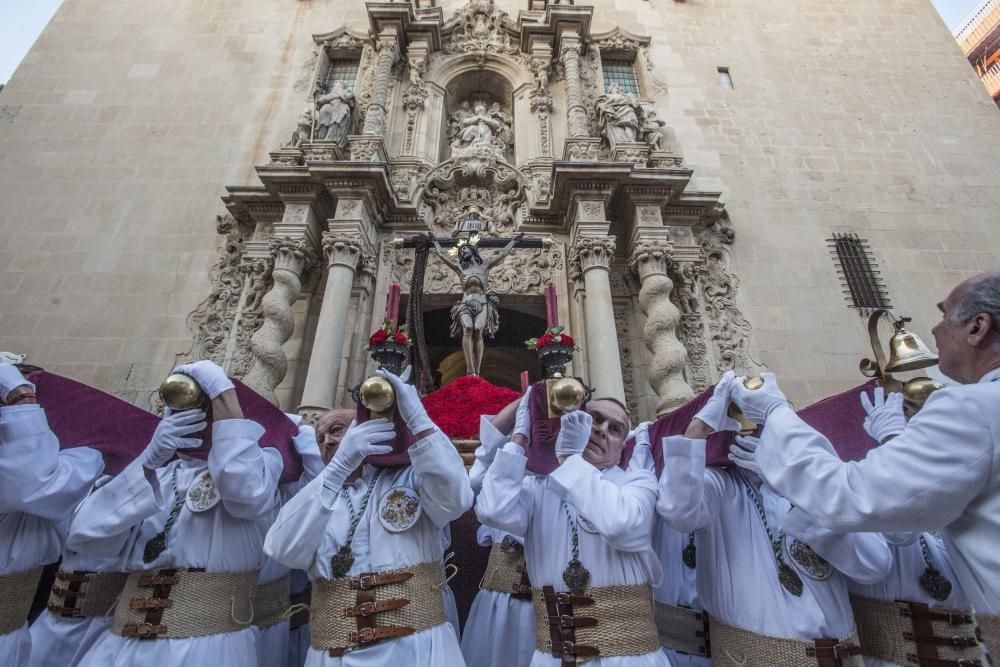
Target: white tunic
39, 487
122, 516
500, 629
314, 524
619, 505
737, 570
941, 473
903, 581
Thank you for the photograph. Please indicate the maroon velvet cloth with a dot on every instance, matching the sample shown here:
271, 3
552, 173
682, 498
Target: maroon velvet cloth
544, 431
82, 416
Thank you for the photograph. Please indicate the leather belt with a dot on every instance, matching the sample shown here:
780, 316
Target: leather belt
301, 615
85, 594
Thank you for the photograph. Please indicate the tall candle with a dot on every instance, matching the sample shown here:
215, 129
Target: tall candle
392, 305
525, 381
551, 307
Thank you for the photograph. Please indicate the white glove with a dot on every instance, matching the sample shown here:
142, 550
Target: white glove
11, 379
744, 454
170, 435
885, 416
358, 443
641, 435
642, 453
408, 402
209, 376
574, 433
713, 413
757, 404
522, 418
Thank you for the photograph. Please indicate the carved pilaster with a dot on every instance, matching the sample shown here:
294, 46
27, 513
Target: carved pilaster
269, 364
691, 331
569, 52
541, 106
651, 261
388, 53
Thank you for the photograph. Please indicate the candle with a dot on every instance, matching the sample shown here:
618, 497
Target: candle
525, 382
392, 305
551, 308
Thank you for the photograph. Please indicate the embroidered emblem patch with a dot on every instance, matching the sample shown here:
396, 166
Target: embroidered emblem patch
399, 509
202, 494
808, 561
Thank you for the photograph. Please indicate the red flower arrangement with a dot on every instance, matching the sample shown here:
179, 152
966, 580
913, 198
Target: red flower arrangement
552, 336
457, 406
387, 334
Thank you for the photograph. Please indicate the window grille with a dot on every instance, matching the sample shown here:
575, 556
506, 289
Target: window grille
859, 273
622, 72
342, 69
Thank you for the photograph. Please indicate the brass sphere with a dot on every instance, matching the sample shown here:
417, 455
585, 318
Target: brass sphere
753, 382
918, 390
377, 394
181, 392
746, 426
567, 395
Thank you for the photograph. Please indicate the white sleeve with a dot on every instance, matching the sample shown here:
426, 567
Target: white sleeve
623, 515
920, 480
491, 440
688, 492
442, 483
864, 557
503, 502
300, 527
307, 446
35, 477
245, 473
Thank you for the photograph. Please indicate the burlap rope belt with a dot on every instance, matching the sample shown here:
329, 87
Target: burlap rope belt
355, 612
85, 594
682, 629
17, 591
989, 627
271, 601
506, 573
172, 604
910, 633
733, 646
606, 621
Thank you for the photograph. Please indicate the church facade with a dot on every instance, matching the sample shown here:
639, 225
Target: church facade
244, 180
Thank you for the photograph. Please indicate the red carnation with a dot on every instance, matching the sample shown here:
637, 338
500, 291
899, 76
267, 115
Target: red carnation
380, 336
567, 340
544, 339
400, 338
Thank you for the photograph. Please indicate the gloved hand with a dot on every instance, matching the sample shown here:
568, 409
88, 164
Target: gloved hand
885, 415
408, 402
209, 376
641, 435
172, 434
744, 453
522, 418
713, 413
574, 433
757, 404
359, 442
642, 453
11, 379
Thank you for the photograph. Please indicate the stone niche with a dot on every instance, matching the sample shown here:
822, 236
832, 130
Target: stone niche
480, 121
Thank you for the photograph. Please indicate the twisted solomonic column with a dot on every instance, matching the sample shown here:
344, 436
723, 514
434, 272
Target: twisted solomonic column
269, 363
570, 50
388, 53
650, 262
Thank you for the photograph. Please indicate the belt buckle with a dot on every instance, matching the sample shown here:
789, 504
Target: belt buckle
568, 649
363, 636
958, 618
144, 631
366, 608
366, 581
566, 622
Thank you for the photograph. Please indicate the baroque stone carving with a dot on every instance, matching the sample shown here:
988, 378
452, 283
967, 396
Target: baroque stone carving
457, 187
651, 261
388, 52
334, 113
729, 328
619, 116
591, 252
480, 27
366, 150
480, 129
691, 330
623, 324
342, 249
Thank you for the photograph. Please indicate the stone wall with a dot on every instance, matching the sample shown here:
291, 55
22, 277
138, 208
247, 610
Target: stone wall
120, 130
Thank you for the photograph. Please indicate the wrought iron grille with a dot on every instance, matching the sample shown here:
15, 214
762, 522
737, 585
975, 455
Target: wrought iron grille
342, 69
622, 72
859, 272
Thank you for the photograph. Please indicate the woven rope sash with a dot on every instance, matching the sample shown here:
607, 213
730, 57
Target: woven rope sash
173, 604
989, 625
735, 647
84, 594
503, 571
17, 590
331, 629
624, 616
271, 601
682, 629
889, 630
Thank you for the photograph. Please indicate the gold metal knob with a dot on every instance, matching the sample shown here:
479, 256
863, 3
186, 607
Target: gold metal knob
181, 392
377, 394
566, 395
746, 426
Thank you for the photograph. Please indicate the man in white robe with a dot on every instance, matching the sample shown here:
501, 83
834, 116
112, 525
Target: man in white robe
500, 629
386, 526
941, 472
169, 521
39, 488
587, 529
773, 596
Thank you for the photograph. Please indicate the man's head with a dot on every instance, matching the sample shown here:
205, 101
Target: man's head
968, 335
330, 430
607, 435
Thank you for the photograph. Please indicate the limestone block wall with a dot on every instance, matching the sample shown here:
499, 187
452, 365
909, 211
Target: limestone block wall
120, 130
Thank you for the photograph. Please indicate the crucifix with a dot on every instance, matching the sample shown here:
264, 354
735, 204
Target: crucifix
477, 313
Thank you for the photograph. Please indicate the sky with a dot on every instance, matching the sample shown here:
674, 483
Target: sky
21, 21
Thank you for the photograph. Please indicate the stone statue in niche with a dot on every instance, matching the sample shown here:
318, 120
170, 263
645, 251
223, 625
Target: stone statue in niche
619, 115
335, 111
655, 133
303, 126
477, 131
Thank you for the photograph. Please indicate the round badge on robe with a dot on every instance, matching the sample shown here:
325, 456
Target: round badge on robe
202, 494
808, 561
399, 508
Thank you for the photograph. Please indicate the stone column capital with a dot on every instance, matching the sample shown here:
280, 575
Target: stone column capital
387, 43
592, 252
343, 249
292, 254
570, 41
651, 258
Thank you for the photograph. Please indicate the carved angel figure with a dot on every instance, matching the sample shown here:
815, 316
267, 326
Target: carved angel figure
480, 132
336, 109
655, 133
619, 114
303, 127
